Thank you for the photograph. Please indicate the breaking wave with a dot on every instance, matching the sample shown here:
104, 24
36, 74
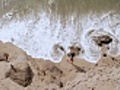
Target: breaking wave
38, 36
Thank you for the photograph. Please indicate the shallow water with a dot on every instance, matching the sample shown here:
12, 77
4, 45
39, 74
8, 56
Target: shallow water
37, 25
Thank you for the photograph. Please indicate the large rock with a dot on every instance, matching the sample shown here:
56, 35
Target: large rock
20, 73
102, 40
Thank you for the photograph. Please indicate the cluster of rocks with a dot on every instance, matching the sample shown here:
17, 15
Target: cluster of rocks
102, 40
19, 72
22, 73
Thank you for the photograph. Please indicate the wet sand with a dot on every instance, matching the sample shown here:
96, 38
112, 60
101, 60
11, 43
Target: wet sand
81, 75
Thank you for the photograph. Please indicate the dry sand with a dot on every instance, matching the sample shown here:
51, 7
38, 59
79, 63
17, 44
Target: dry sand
45, 75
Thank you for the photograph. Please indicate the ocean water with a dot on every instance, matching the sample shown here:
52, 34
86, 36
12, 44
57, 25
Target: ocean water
38, 26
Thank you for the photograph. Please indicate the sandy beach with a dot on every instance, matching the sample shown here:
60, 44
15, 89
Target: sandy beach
46, 75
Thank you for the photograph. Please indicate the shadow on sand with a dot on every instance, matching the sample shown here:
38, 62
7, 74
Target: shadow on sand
79, 69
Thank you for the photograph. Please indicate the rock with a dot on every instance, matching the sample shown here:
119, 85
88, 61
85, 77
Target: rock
4, 56
58, 82
50, 73
50, 68
104, 55
102, 40
20, 73
54, 76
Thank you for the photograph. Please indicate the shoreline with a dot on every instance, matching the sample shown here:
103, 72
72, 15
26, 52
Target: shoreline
61, 76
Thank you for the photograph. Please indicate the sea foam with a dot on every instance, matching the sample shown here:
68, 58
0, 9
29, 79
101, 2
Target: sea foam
38, 36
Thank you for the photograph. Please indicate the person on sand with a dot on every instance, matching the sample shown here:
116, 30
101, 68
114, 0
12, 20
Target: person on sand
74, 50
71, 57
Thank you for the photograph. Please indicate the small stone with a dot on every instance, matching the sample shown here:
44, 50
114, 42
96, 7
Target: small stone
104, 55
113, 58
4, 57
96, 64
60, 84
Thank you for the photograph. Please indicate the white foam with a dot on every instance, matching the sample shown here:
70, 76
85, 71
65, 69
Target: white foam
38, 37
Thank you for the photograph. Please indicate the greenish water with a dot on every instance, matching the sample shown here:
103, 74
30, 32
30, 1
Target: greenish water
59, 7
